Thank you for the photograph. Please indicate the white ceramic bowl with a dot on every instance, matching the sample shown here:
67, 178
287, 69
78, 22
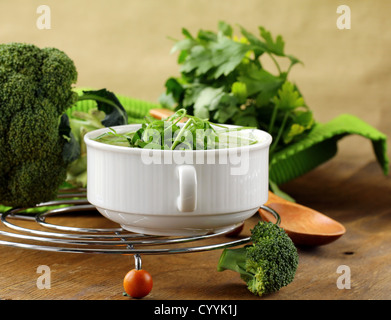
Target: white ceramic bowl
177, 193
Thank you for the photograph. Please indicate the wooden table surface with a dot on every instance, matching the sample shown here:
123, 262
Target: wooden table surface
356, 193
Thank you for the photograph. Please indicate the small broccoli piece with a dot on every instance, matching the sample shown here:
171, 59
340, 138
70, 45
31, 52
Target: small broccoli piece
35, 90
268, 264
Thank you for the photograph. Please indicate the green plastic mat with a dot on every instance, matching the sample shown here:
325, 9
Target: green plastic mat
321, 145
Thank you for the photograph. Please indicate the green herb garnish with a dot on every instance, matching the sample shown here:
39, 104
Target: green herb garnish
171, 134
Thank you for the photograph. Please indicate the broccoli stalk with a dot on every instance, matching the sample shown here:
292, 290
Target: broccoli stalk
268, 264
36, 141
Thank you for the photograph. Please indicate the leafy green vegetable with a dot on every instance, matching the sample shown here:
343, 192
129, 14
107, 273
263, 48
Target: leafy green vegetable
222, 78
108, 112
109, 104
37, 143
167, 134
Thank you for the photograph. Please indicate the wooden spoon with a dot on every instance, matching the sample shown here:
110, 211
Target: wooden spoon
163, 113
304, 226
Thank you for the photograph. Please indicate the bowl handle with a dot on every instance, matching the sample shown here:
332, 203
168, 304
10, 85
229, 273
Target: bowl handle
187, 199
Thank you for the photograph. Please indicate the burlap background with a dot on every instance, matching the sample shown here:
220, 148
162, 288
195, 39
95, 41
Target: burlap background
123, 45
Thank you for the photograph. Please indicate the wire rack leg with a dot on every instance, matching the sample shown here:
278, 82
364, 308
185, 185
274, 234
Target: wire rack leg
137, 261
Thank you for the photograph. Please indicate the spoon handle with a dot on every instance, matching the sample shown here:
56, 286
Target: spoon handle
273, 198
162, 113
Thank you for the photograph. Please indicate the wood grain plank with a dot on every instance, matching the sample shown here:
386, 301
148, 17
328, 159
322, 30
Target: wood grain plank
359, 198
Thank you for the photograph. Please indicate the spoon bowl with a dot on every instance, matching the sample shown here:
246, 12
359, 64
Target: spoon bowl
304, 226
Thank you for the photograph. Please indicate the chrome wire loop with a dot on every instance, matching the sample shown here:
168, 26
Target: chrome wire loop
59, 238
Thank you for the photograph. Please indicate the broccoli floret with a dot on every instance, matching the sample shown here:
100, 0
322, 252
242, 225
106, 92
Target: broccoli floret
35, 90
37, 144
268, 264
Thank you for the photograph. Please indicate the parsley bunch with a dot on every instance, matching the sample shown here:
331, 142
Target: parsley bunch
222, 78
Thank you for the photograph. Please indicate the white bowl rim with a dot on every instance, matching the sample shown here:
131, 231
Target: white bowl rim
266, 141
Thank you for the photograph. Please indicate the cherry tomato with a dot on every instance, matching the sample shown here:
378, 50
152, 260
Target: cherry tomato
138, 283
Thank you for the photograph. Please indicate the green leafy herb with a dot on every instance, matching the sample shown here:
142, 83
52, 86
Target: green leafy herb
222, 78
169, 134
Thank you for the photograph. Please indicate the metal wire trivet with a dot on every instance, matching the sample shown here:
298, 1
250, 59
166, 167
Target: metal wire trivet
61, 238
